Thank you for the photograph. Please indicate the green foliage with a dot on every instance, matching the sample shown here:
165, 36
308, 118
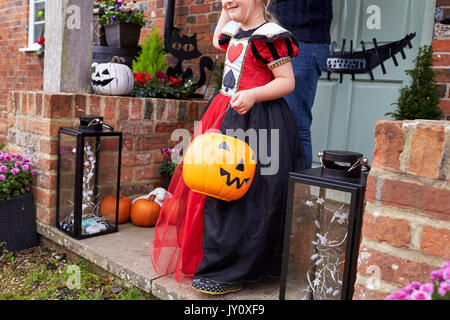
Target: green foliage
112, 11
419, 100
218, 75
2, 147
152, 57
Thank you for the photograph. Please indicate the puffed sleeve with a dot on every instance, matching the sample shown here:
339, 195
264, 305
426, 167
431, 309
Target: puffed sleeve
228, 31
274, 49
224, 40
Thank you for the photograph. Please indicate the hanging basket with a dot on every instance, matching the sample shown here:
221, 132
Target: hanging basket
122, 35
17, 223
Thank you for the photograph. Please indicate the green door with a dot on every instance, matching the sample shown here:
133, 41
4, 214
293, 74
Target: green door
344, 114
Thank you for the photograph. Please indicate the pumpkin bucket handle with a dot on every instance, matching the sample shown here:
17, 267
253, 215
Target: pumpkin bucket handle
118, 59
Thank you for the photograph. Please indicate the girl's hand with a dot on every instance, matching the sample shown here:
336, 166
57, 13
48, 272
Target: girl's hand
243, 101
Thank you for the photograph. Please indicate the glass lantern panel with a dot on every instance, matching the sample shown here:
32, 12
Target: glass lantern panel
318, 238
67, 158
100, 170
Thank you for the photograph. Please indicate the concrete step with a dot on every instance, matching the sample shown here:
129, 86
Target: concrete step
126, 254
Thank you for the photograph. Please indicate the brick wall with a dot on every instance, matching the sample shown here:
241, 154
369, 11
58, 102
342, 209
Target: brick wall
18, 70
406, 226
35, 117
441, 48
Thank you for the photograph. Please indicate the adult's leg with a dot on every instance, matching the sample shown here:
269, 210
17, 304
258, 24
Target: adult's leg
308, 67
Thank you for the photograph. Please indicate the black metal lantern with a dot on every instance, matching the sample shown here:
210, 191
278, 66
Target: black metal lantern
323, 228
88, 171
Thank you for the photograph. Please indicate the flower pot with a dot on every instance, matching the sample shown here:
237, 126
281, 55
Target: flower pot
122, 35
17, 223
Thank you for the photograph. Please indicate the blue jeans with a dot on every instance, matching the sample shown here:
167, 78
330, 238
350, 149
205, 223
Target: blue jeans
308, 66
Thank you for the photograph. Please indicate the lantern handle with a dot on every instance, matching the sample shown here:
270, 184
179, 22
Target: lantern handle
96, 121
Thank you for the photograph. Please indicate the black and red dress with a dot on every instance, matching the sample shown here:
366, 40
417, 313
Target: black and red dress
223, 242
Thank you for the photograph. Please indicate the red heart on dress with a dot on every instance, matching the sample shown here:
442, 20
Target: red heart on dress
234, 51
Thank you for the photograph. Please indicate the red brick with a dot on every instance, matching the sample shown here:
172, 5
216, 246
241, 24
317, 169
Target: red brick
404, 195
426, 150
442, 75
393, 269
110, 107
80, 105
127, 144
46, 215
441, 45
371, 188
146, 173
126, 174
389, 141
362, 293
131, 159
441, 60
48, 146
394, 231
436, 242
136, 109
57, 106
445, 106
436, 203
95, 104
167, 127
44, 197
152, 142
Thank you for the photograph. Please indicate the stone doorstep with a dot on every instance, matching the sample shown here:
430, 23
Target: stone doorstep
126, 254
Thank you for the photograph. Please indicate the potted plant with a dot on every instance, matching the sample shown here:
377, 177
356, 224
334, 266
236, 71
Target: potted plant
17, 211
122, 22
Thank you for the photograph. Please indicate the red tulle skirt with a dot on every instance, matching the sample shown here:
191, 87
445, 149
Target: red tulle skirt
177, 245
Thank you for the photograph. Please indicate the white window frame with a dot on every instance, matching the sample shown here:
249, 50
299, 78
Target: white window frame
32, 45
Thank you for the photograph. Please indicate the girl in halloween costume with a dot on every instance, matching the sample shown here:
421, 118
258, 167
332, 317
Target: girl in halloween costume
224, 244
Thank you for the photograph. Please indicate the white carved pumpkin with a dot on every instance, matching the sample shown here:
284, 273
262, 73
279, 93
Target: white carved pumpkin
112, 79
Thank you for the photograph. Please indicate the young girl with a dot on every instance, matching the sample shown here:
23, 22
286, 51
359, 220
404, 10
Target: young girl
224, 244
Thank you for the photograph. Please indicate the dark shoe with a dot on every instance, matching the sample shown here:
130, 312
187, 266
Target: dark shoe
213, 287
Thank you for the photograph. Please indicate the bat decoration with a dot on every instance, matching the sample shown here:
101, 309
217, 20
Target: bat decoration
358, 62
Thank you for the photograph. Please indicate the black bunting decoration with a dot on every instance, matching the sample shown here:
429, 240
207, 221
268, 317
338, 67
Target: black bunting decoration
359, 62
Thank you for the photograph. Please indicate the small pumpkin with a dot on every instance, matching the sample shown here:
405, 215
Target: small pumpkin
108, 208
112, 79
171, 210
219, 166
145, 212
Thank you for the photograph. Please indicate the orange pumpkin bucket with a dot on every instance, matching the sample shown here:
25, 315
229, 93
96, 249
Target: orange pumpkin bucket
219, 166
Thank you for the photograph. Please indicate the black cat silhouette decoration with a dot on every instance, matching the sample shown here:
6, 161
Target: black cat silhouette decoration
185, 48
359, 62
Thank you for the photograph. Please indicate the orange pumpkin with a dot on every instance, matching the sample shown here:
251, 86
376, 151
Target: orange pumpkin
219, 166
108, 208
171, 208
145, 212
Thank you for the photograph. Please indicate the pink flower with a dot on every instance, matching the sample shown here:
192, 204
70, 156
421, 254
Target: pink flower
446, 274
27, 188
25, 167
2, 177
444, 287
7, 157
3, 168
436, 275
427, 287
34, 172
420, 295
15, 171
446, 265
398, 295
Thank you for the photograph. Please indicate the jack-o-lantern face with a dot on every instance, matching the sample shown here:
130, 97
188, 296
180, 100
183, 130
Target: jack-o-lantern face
112, 79
219, 166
